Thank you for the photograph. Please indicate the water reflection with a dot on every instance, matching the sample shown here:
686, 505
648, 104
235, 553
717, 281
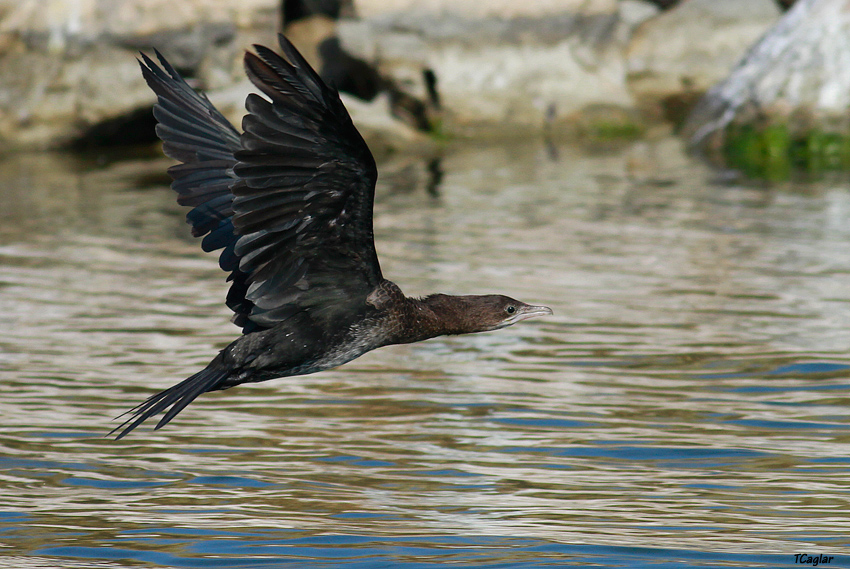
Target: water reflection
687, 403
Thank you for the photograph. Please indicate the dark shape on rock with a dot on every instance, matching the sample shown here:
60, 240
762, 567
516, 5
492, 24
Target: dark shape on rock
430, 80
664, 4
289, 204
346, 73
130, 129
356, 77
408, 108
294, 10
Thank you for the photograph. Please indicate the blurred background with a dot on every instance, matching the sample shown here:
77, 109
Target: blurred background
670, 177
415, 72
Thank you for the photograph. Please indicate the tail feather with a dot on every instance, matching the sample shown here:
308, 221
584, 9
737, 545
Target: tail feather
177, 397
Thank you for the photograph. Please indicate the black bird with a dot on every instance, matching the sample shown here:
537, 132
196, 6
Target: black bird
289, 203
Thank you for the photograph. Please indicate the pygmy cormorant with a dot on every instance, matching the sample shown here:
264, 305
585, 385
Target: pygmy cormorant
289, 203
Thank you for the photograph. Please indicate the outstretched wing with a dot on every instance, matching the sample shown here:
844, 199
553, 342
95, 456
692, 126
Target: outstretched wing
303, 205
196, 134
289, 202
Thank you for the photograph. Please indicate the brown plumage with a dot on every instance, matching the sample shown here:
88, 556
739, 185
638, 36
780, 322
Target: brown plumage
289, 204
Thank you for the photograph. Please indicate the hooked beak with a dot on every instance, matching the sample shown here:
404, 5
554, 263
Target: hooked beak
531, 311
526, 312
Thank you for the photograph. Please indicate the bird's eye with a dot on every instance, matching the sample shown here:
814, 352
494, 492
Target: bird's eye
510, 309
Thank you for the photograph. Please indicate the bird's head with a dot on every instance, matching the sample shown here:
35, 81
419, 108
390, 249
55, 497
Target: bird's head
495, 311
481, 313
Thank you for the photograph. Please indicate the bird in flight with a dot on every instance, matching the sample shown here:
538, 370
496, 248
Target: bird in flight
289, 204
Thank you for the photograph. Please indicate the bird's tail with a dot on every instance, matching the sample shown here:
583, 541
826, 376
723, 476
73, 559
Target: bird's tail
177, 397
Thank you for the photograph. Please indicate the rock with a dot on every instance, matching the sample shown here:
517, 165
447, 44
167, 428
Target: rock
48, 97
688, 48
635, 12
308, 33
67, 66
457, 67
495, 65
363, 92
413, 10
796, 77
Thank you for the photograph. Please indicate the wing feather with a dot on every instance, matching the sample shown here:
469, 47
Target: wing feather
288, 202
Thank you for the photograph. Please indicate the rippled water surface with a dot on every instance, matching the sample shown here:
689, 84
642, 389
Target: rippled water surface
687, 404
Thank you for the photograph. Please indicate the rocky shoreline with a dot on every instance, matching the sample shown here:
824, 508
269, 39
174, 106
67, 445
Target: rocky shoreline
418, 70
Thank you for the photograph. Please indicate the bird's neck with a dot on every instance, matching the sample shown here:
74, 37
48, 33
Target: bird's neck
436, 315
416, 319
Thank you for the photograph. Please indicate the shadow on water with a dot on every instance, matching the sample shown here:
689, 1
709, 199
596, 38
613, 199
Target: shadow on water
686, 405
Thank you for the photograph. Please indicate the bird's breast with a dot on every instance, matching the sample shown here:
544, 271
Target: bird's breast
360, 338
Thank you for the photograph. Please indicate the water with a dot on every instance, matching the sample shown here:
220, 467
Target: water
687, 404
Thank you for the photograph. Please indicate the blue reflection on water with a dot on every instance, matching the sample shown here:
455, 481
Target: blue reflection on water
783, 389
355, 460
7, 463
766, 424
541, 422
234, 481
656, 453
427, 552
60, 435
810, 367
